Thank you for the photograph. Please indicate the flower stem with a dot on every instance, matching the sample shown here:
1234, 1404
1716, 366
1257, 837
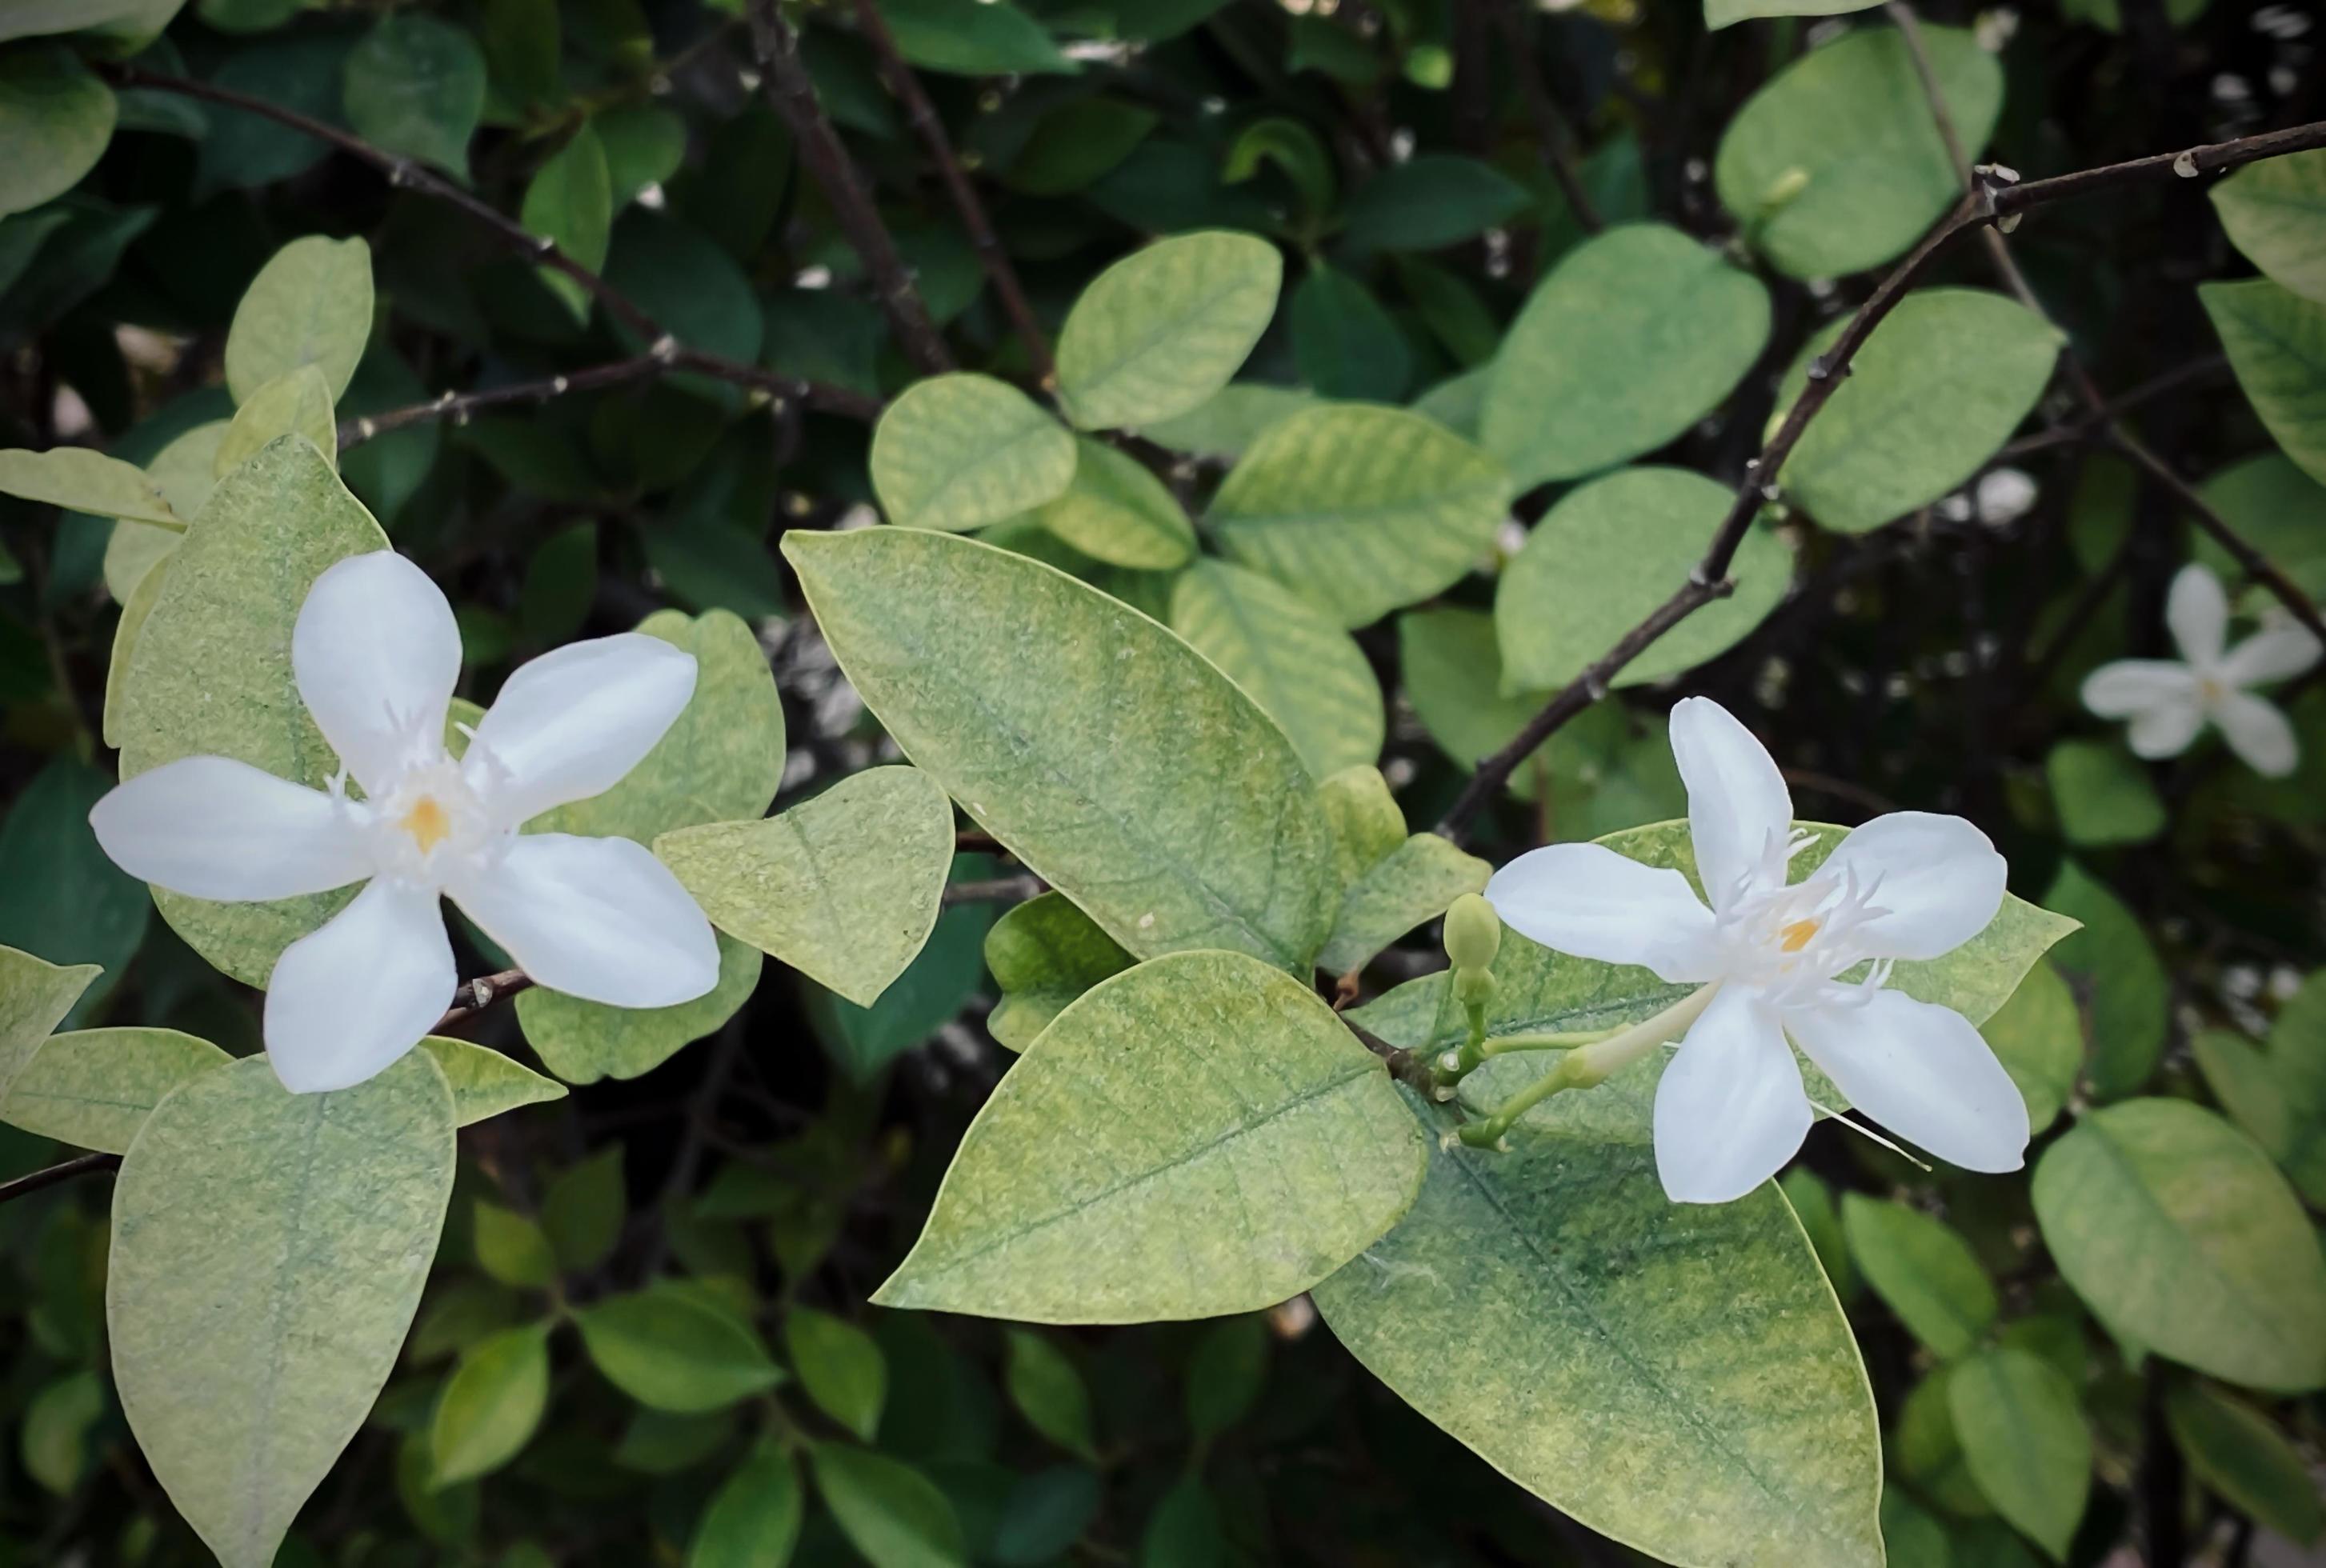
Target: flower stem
1500, 1044
1590, 1063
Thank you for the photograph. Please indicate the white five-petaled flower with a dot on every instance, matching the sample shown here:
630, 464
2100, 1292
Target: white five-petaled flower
1731, 1110
2170, 701
375, 652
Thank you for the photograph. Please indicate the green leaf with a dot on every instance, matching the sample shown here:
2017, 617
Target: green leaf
34, 996
1937, 390
1076, 143
962, 450
844, 888
296, 403
311, 304
1429, 202
1116, 511
1344, 341
972, 38
210, 674
268, 1252
1836, 165
1719, 13
1414, 883
645, 145
2025, 1443
2278, 1097
2240, 1456
415, 86
2119, 983
492, 1405
1360, 508
583, 1209
135, 610
93, 1088
522, 39
2276, 344
571, 201
1608, 553
2102, 795
53, 1440
1225, 1375
56, 120
840, 1369
2038, 1035
583, 1042
512, 1247
931, 992
1049, 1392
2177, 1230
60, 898
2275, 211
1227, 424
890, 1512
754, 1518
1289, 657
669, 1349
2274, 507
1926, 1451
1635, 335
1043, 954
1924, 1270
128, 21
81, 480
1253, 1146
1813, 1206
1007, 680
484, 1083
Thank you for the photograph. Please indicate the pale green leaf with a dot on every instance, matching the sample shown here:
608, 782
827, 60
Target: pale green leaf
1938, 388
415, 86
1836, 165
490, 1405
2039, 1038
210, 672
844, 887
1360, 508
582, 1212
571, 202
1289, 657
296, 403
2236, 1452
2025, 1441
961, 450
94, 1087
484, 1083
2176, 1229
1368, 824
583, 1042
1719, 13
754, 1518
1229, 421
840, 1368
1049, 1391
34, 996
1926, 1451
512, 1247
1025, 694
311, 304
1162, 329
56, 120
2278, 1096
2102, 795
185, 472
1924, 1270
1117, 511
81, 480
1635, 335
1608, 553
2120, 986
268, 1252
1043, 954
972, 38
1813, 1206
2276, 344
669, 1349
1246, 1146
2276, 212
1414, 883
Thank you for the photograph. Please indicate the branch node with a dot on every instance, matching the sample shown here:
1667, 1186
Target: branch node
2185, 166
366, 429
664, 349
560, 384
447, 399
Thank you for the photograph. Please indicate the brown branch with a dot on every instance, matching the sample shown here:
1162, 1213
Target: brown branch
922, 115
1409, 1068
1708, 580
2256, 565
1552, 129
50, 1175
997, 890
791, 93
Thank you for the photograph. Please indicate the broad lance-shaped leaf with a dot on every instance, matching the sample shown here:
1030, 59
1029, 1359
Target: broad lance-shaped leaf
2276, 212
1289, 657
1163, 328
1043, 954
1360, 508
962, 450
81, 480
1592, 1340
1923, 1269
1032, 697
844, 888
2176, 1229
2238, 1452
94, 1087
1117, 511
492, 1405
1718, 14
2025, 1441
2124, 988
34, 996
484, 1082
2276, 343
673, 1346
309, 304
1391, 881
268, 1252
210, 673
1196, 1136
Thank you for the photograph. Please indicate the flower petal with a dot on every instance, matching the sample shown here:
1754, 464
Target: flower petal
601, 919
2197, 612
570, 724
210, 827
346, 1001
2165, 730
1940, 878
1586, 900
1740, 813
1729, 1109
376, 652
2258, 733
2128, 686
2275, 652
1922, 1071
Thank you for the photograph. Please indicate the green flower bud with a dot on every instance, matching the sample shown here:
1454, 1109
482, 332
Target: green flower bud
1473, 932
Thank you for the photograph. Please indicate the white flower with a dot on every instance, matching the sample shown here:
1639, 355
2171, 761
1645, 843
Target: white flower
376, 654
2169, 700
1730, 1109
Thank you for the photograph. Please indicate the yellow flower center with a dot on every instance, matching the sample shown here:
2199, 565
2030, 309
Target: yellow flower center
428, 823
1796, 936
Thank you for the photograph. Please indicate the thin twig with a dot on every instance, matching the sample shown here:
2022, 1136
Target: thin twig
50, 1176
2092, 426
922, 115
791, 91
1552, 129
1014, 889
2256, 565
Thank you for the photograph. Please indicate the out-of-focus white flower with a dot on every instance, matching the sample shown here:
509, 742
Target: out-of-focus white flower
1730, 1109
2169, 701
375, 652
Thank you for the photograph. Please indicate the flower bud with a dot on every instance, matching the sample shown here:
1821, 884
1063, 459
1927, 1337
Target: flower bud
1473, 932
